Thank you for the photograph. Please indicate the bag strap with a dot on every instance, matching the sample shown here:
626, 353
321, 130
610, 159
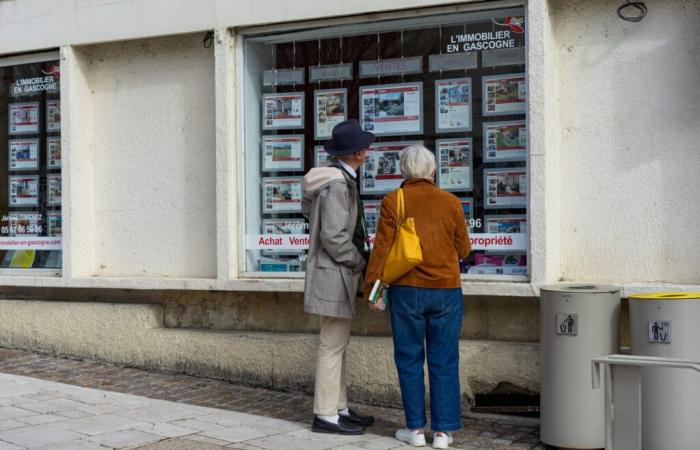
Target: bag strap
400, 211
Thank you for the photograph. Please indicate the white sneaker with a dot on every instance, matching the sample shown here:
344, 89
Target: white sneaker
442, 441
410, 437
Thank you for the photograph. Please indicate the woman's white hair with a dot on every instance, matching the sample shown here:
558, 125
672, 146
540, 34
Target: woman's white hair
417, 162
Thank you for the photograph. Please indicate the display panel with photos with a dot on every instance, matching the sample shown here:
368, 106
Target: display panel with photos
455, 83
30, 143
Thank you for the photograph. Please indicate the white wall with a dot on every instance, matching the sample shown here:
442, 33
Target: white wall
154, 157
629, 119
614, 119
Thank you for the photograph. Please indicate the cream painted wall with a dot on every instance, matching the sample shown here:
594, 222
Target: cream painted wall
629, 119
154, 157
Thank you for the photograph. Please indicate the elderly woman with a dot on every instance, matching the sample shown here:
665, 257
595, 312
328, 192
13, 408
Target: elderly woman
425, 303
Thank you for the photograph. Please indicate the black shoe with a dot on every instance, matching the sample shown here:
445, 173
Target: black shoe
342, 427
356, 419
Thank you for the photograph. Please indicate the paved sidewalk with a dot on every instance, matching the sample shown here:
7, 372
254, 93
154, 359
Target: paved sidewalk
223, 412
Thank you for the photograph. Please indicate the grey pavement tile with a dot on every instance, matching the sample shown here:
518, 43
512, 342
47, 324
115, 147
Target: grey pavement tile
207, 439
52, 406
9, 424
230, 418
125, 438
94, 425
11, 412
239, 433
380, 443
41, 419
76, 444
38, 435
196, 424
167, 430
162, 413
334, 440
274, 426
289, 442
7, 446
73, 414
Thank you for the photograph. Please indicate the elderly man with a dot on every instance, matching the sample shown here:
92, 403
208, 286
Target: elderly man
337, 256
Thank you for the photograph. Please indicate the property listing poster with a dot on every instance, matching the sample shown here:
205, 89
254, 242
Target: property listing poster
55, 223
284, 226
485, 264
24, 118
505, 141
25, 224
453, 105
454, 158
381, 172
515, 223
321, 157
24, 154
281, 194
505, 94
392, 109
330, 109
53, 115
283, 152
283, 111
54, 188
468, 208
371, 210
53, 152
24, 190
505, 188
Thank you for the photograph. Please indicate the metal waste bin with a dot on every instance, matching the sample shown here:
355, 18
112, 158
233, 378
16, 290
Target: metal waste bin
577, 323
668, 325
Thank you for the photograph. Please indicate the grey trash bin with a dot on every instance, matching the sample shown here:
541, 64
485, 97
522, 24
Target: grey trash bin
577, 323
668, 325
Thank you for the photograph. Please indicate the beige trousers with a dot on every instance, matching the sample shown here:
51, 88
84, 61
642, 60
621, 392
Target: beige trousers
330, 392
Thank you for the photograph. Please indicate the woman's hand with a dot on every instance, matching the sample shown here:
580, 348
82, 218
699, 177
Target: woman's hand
378, 306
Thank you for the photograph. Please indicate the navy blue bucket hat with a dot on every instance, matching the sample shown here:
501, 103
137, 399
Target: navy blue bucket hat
348, 138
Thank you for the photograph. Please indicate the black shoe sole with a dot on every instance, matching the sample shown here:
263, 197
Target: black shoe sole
349, 433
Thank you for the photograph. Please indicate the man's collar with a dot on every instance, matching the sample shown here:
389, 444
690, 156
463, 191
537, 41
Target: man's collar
348, 168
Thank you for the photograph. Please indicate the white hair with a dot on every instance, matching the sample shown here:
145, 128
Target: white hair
417, 162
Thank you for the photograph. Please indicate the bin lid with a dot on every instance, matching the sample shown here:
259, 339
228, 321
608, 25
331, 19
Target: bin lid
580, 288
667, 296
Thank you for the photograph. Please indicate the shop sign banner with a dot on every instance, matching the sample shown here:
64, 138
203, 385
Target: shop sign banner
278, 242
503, 57
459, 61
334, 72
499, 33
385, 67
34, 86
283, 76
499, 241
30, 243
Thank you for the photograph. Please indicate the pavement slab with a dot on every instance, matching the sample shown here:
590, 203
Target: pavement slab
54, 403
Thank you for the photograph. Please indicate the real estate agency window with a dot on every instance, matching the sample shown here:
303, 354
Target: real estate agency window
455, 83
30, 165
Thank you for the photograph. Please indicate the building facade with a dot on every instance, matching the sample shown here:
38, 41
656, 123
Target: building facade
181, 133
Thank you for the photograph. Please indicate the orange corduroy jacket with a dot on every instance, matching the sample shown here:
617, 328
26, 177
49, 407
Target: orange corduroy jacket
440, 225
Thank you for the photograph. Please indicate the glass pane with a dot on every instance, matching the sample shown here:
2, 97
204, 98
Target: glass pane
30, 166
455, 83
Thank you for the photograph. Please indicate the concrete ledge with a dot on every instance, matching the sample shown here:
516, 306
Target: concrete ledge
133, 335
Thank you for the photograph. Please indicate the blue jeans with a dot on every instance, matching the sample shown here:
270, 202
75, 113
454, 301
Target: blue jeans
429, 319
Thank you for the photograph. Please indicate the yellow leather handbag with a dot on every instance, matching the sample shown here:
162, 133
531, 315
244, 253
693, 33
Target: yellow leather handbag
405, 253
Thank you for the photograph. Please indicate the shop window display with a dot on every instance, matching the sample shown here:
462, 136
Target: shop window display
30, 165
455, 83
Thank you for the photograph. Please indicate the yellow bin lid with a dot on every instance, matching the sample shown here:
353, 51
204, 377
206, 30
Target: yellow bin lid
667, 296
